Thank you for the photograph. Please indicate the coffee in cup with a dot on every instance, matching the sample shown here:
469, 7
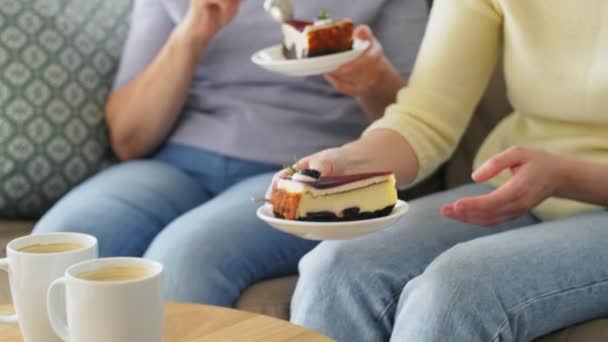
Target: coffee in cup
44, 248
115, 273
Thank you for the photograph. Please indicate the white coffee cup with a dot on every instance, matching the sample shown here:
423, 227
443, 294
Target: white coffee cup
129, 309
31, 273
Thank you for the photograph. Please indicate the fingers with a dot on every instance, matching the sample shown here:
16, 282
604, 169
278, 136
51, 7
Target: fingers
364, 71
224, 4
484, 221
509, 201
215, 4
223, 10
356, 81
302, 164
373, 52
481, 219
328, 162
528, 186
363, 32
509, 159
510, 192
342, 85
325, 167
316, 162
228, 9
232, 7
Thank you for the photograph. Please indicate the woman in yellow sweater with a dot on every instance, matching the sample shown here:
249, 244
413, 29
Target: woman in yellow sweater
523, 250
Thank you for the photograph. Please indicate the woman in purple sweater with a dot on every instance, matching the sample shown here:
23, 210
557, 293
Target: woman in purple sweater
201, 129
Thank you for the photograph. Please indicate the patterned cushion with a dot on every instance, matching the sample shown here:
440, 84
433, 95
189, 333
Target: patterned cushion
57, 59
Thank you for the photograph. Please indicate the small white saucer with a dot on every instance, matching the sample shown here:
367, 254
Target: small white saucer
272, 59
332, 230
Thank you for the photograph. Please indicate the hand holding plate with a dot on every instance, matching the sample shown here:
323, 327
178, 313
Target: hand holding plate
360, 76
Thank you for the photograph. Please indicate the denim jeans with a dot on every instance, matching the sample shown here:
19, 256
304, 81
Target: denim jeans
189, 209
430, 279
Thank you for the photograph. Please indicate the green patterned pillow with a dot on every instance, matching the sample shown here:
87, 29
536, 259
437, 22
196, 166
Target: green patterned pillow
57, 61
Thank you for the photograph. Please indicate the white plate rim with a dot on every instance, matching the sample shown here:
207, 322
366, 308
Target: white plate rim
358, 48
400, 209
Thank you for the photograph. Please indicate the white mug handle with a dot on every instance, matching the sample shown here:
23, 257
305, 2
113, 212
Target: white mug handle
7, 319
55, 304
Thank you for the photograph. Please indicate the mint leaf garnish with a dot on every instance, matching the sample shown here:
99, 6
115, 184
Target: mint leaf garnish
324, 14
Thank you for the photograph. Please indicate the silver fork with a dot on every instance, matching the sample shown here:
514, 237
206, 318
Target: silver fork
279, 10
259, 200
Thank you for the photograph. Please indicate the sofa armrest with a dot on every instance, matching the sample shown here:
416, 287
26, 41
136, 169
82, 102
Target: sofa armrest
10, 230
269, 297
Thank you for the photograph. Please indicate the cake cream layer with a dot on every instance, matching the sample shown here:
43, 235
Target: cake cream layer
370, 198
295, 41
291, 186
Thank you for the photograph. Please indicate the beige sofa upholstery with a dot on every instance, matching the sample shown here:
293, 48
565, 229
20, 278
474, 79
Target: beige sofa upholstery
8, 231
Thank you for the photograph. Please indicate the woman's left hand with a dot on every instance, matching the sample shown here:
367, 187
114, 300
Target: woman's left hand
359, 77
536, 175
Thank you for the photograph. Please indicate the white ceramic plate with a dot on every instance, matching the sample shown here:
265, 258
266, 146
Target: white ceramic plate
272, 59
332, 230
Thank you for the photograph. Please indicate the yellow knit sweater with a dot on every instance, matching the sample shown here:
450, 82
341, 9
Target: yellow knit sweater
556, 67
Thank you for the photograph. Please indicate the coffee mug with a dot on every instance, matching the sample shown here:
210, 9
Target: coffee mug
32, 263
112, 299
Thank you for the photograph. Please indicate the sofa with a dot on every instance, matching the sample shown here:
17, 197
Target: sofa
104, 24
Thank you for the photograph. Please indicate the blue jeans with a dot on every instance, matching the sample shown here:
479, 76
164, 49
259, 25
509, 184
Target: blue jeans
431, 279
190, 210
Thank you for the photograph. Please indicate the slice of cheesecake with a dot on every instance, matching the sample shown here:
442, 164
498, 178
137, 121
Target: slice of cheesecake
336, 198
303, 39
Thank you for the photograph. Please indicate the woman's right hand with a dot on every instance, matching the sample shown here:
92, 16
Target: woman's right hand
331, 162
379, 150
205, 18
334, 162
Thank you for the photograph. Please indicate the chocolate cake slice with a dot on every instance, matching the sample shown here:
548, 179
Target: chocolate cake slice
336, 198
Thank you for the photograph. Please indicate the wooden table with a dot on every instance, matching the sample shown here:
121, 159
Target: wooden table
197, 323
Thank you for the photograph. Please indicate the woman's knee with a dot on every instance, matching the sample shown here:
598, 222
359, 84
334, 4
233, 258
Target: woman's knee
330, 265
200, 264
124, 216
462, 277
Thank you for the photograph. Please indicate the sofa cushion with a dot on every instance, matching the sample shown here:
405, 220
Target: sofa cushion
492, 108
10, 230
272, 298
57, 60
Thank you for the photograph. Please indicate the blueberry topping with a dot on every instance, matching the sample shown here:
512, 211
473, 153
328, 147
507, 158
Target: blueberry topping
311, 173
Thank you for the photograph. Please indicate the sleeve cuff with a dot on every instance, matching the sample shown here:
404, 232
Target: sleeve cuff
414, 137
